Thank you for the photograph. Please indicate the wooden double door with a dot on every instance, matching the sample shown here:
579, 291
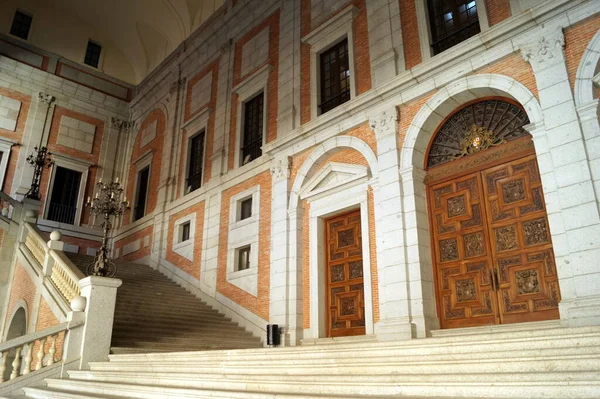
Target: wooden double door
492, 249
345, 305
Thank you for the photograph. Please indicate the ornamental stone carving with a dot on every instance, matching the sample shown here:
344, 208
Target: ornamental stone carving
121, 125
385, 123
46, 98
281, 168
547, 50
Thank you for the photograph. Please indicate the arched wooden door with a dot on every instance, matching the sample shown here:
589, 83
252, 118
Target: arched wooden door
491, 243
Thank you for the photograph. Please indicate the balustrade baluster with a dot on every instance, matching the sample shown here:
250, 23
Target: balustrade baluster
40, 354
52, 350
28, 358
3, 365
16, 364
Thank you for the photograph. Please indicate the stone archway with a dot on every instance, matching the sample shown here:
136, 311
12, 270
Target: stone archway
16, 328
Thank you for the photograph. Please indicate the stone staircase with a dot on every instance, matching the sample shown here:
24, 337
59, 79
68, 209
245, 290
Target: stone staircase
545, 362
154, 314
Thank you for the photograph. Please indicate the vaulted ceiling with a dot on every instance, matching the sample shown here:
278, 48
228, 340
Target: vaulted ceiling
145, 31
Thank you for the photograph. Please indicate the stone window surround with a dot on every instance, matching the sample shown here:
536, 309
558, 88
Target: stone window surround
193, 127
84, 51
5, 147
140, 164
248, 89
234, 243
320, 209
327, 35
179, 245
78, 165
425, 31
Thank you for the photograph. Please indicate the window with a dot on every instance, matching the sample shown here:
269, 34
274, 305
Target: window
142, 192
21, 25
253, 129
184, 231
92, 54
243, 262
452, 21
335, 77
65, 192
195, 159
245, 208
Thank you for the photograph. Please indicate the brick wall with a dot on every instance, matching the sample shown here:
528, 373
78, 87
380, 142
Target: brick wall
258, 305
577, 38
191, 267
46, 319
497, 10
142, 251
23, 288
410, 33
82, 243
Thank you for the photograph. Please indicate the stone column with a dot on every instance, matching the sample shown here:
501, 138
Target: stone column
569, 193
589, 116
295, 326
394, 309
278, 309
101, 295
37, 129
385, 40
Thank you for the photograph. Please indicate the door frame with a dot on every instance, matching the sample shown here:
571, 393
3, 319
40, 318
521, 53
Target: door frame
321, 208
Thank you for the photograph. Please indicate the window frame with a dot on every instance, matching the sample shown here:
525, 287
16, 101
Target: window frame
5, 149
26, 13
182, 231
330, 49
67, 162
245, 128
425, 36
141, 163
321, 39
100, 57
190, 129
188, 163
137, 193
238, 257
246, 90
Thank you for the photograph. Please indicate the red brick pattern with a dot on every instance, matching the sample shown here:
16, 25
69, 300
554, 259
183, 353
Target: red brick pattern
272, 85
24, 288
577, 38
82, 243
410, 33
497, 10
46, 319
156, 147
258, 305
190, 267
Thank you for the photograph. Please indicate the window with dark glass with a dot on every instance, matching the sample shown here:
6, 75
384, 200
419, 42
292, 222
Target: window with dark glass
21, 25
253, 129
142, 193
196, 156
243, 258
92, 54
65, 192
185, 231
246, 208
452, 21
335, 77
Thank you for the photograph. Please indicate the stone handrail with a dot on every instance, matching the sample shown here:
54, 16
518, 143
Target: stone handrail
65, 276
35, 244
24, 346
12, 206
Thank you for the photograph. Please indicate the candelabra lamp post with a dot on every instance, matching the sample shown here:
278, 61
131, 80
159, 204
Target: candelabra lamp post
40, 159
106, 203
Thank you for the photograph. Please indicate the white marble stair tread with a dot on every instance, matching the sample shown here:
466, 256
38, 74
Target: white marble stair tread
501, 328
582, 390
47, 393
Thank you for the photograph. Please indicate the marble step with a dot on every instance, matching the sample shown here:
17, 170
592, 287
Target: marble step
176, 329
522, 389
198, 344
47, 393
184, 337
501, 328
158, 315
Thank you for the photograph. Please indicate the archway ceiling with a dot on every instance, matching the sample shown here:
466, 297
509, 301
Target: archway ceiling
146, 31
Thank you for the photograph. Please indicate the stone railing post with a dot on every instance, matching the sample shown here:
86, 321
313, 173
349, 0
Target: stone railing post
101, 295
55, 244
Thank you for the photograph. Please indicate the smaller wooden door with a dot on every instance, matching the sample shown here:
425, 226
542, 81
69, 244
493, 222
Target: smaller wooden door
344, 275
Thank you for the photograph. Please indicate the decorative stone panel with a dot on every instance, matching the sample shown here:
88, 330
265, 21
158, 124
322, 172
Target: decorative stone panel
76, 134
148, 134
255, 52
9, 113
201, 92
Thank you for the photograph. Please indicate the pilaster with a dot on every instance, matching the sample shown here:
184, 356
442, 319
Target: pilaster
569, 193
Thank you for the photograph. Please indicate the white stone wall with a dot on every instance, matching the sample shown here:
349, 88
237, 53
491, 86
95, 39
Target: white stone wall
255, 52
148, 134
201, 92
9, 113
76, 134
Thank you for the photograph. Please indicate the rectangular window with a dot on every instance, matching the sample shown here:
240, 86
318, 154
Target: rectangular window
65, 193
245, 208
452, 21
253, 129
185, 232
21, 25
142, 193
335, 77
92, 54
243, 258
195, 162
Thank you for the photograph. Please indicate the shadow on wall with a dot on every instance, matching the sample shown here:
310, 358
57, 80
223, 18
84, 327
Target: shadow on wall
18, 328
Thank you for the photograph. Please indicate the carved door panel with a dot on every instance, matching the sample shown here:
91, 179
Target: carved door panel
526, 279
461, 252
344, 276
